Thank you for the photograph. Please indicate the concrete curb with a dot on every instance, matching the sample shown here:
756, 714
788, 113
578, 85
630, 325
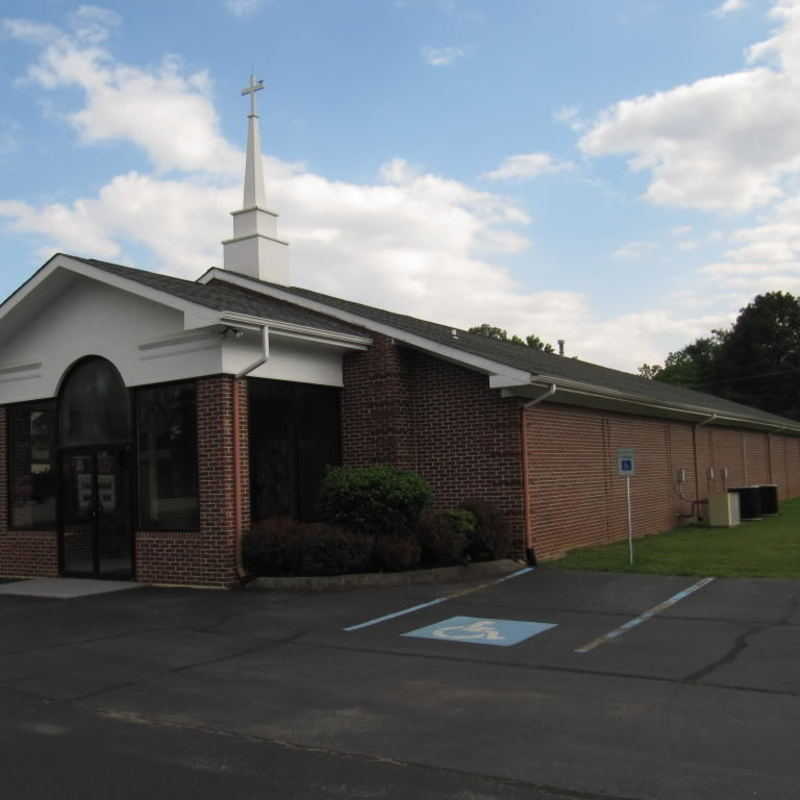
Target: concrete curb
482, 569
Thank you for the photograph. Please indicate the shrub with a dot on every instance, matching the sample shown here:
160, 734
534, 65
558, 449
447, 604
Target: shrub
273, 547
491, 537
283, 546
328, 550
396, 553
444, 535
379, 501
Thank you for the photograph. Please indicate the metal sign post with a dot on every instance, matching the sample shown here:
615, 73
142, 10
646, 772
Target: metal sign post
630, 524
626, 465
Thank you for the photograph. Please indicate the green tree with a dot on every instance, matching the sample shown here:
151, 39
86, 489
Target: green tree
694, 364
758, 361
501, 334
650, 371
755, 362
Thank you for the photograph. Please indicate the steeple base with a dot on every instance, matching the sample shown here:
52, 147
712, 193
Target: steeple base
258, 256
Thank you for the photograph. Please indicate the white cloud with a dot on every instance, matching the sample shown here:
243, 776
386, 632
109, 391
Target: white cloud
729, 7
243, 8
93, 24
441, 56
167, 113
527, 165
681, 230
634, 250
570, 116
725, 142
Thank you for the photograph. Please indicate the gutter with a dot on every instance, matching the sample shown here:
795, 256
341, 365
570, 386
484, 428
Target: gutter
574, 387
241, 573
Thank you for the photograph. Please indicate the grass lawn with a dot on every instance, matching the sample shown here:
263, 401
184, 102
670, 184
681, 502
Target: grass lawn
767, 548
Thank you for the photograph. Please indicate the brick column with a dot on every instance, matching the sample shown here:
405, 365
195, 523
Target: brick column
207, 557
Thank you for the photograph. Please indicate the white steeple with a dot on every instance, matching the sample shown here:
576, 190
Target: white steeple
255, 248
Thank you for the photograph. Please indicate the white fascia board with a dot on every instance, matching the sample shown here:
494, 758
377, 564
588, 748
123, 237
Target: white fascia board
195, 315
452, 354
291, 330
575, 388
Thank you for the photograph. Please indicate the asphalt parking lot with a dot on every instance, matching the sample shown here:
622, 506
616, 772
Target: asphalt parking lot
264, 694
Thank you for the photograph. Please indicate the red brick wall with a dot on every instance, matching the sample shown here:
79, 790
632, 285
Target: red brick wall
23, 554
376, 406
402, 407
207, 557
576, 498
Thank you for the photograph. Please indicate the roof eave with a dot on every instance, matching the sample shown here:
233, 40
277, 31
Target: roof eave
587, 395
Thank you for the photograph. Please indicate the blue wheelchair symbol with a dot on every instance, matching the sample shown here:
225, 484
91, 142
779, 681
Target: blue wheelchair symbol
475, 630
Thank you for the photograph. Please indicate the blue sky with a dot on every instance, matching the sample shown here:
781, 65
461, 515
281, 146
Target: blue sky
622, 174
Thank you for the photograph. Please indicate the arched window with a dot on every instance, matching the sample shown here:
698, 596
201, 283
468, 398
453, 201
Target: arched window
94, 407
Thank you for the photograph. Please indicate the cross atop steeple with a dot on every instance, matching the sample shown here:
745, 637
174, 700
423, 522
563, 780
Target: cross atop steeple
255, 86
255, 248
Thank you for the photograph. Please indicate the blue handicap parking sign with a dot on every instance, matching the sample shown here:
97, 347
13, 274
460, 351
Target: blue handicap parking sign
477, 630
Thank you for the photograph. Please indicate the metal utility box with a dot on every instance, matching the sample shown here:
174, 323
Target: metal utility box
723, 510
749, 501
769, 498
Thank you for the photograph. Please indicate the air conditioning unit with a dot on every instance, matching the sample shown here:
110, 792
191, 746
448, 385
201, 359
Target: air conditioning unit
723, 510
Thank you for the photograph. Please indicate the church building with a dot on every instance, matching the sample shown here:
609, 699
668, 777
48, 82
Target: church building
147, 421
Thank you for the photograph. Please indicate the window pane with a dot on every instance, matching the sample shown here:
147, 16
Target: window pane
32, 474
294, 435
167, 469
94, 405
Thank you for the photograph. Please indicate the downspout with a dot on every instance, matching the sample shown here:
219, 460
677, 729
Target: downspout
241, 573
526, 511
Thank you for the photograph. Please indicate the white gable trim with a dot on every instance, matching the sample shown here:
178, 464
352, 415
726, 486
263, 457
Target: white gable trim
195, 315
512, 376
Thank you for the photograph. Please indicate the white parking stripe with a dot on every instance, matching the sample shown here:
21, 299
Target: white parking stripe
617, 632
437, 600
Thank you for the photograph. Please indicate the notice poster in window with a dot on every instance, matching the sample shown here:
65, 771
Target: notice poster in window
107, 492
84, 487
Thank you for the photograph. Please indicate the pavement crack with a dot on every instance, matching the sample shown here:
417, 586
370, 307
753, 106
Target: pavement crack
740, 644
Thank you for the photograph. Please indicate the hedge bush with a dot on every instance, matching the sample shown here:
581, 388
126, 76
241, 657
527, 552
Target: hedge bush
444, 536
328, 550
282, 546
396, 553
273, 547
491, 537
377, 501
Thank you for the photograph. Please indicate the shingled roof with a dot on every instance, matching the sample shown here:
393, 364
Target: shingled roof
537, 362
225, 297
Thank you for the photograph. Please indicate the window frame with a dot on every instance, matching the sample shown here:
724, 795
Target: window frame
298, 511
138, 525
29, 406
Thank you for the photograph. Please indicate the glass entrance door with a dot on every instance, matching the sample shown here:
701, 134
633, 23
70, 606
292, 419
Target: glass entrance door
96, 531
